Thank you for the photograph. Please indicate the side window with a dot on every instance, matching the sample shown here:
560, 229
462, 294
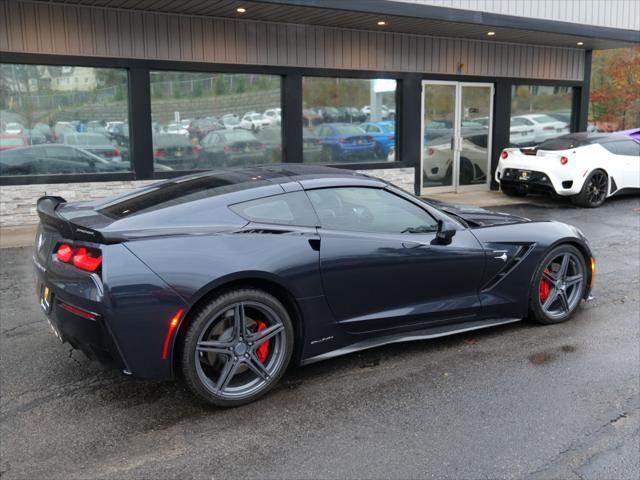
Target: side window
371, 210
286, 209
628, 148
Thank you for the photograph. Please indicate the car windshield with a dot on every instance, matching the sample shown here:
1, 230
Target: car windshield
348, 130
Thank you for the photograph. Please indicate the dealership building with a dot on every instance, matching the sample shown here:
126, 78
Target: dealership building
99, 96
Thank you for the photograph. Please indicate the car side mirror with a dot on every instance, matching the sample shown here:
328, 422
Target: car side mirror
445, 233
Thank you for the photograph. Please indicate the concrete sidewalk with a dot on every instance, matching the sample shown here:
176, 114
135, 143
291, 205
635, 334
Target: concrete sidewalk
20, 236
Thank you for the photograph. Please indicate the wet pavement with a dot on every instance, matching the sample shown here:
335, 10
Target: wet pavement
516, 401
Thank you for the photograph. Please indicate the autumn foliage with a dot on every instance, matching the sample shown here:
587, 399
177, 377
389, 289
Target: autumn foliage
615, 88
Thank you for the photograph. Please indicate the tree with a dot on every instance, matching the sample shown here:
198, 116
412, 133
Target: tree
615, 92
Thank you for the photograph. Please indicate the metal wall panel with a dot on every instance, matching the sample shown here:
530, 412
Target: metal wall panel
623, 14
92, 31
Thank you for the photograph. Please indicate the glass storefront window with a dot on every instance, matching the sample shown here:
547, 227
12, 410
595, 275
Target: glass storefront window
209, 120
63, 120
539, 112
348, 120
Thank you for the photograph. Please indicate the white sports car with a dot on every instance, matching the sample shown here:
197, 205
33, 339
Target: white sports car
588, 167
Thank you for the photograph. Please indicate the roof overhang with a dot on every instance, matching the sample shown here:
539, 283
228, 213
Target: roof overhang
400, 17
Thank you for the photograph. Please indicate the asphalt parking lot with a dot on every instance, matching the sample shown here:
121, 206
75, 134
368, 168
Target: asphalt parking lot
511, 402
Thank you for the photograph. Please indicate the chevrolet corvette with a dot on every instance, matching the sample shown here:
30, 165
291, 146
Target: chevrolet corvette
225, 278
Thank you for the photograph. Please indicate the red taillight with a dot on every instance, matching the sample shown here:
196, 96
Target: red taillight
226, 148
196, 150
548, 129
564, 160
504, 154
430, 151
368, 139
86, 259
392, 137
112, 153
173, 324
344, 140
159, 152
65, 253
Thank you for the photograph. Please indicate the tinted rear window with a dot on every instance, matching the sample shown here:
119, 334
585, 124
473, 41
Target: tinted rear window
239, 136
561, 144
179, 191
544, 119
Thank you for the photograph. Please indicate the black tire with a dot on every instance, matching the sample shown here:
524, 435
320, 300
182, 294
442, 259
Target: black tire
594, 190
546, 309
378, 151
513, 191
203, 355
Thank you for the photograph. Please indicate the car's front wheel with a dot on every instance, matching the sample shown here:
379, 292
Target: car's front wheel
237, 347
594, 190
558, 285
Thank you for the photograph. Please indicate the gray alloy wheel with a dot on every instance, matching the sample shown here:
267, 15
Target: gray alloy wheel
594, 191
237, 347
558, 285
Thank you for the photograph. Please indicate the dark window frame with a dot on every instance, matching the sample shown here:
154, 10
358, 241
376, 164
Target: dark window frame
408, 109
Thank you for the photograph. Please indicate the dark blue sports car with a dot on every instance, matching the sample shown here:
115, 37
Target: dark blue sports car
343, 142
227, 277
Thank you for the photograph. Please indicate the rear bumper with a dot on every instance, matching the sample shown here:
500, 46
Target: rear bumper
539, 179
75, 320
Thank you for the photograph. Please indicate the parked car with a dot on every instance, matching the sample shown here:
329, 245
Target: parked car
342, 142
384, 134
271, 139
521, 132
39, 133
385, 112
444, 128
632, 132
53, 159
438, 160
311, 118
13, 128
274, 115
544, 126
311, 146
230, 121
231, 148
352, 115
562, 116
62, 127
95, 143
330, 114
200, 127
254, 121
175, 151
225, 278
9, 141
587, 167
177, 128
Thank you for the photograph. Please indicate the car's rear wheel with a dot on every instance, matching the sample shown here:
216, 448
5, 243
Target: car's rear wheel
594, 190
558, 285
514, 191
237, 347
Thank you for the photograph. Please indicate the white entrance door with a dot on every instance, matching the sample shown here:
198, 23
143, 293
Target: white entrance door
456, 143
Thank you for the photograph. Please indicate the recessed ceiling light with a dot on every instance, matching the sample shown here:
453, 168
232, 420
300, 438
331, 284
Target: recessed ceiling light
241, 10
580, 44
491, 34
382, 23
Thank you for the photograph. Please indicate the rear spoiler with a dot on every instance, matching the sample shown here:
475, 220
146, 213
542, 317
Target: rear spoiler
49, 217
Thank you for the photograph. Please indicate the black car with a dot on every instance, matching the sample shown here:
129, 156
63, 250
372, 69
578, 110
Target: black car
224, 148
225, 278
175, 151
330, 114
50, 159
271, 138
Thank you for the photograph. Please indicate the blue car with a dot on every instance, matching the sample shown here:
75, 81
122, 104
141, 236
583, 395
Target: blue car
384, 134
343, 142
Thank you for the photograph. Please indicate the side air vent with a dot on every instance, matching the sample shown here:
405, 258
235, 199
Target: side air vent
265, 231
509, 266
614, 186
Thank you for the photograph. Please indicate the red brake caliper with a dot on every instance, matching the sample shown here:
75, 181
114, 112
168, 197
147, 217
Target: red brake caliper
545, 288
263, 350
